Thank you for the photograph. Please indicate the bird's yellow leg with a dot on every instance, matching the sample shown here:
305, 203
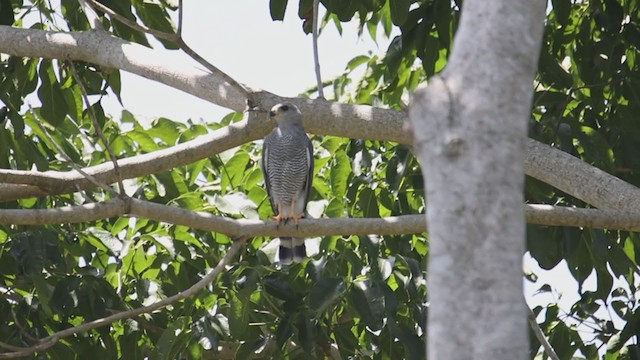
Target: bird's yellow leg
296, 217
279, 218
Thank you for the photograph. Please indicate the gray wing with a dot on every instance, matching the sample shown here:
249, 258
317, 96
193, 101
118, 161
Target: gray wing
308, 184
265, 174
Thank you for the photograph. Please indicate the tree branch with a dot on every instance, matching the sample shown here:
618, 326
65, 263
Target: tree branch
579, 179
106, 50
180, 15
321, 117
404, 224
356, 121
206, 280
470, 139
540, 336
54, 182
316, 57
178, 40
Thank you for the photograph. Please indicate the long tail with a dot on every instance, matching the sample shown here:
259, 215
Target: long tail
292, 249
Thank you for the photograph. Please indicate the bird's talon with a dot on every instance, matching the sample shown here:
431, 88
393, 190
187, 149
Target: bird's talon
297, 218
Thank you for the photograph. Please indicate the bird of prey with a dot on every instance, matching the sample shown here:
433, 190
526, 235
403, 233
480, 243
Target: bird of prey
287, 166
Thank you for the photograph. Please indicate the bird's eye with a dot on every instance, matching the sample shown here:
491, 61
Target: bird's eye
284, 107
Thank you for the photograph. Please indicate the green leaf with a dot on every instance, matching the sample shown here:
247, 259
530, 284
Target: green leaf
236, 204
368, 203
346, 340
165, 129
553, 73
340, 174
107, 239
239, 316
544, 245
6, 13
413, 344
277, 9
368, 300
579, 261
443, 23
43, 292
562, 10
234, 169
335, 208
144, 141
284, 331
54, 106
399, 11
344, 9
630, 329
65, 298
325, 292
156, 17
128, 344
174, 339
306, 332
113, 81
279, 288
357, 61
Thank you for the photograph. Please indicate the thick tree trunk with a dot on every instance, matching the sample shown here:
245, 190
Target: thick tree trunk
470, 127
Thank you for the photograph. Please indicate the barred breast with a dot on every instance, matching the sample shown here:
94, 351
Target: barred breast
288, 164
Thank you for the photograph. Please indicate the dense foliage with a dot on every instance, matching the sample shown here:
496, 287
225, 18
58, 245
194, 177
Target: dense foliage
365, 294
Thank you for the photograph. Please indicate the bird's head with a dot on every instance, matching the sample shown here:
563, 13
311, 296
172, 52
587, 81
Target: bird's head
286, 114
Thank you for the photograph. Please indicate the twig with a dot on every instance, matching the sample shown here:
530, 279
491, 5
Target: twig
92, 179
195, 56
96, 125
540, 335
180, 12
92, 16
29, 350
206, 280
4, 345
132, 24
23, 331
177, 39
316, 59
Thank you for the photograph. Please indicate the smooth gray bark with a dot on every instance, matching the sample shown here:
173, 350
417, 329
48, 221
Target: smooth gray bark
470, 127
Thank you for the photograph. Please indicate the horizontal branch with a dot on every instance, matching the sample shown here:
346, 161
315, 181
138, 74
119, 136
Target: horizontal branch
17, 184
543, 162
393, 225
584, 218
579, 179
106, 50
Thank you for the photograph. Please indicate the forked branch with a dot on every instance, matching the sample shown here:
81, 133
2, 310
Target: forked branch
176, 39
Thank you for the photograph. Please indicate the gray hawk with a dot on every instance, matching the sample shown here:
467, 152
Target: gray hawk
287, 166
